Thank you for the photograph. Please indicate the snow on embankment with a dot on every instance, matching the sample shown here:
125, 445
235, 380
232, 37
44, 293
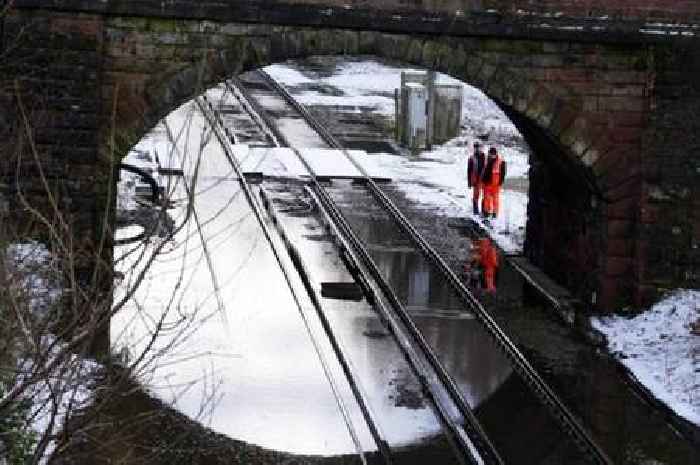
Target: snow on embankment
41, 384
661, 351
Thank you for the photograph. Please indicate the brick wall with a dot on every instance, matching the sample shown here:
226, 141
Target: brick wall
678, 10
674, 10
50, 85
585, 107
669, 224
654, 10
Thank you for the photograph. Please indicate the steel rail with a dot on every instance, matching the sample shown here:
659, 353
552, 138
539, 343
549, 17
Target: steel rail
216, 125
252, 107
345, 363
566, 419
364, 265
351, 262
466, 450
475, 431
472, 424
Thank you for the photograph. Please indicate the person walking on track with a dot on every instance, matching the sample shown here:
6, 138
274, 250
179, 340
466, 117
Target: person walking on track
492, 180
475, 172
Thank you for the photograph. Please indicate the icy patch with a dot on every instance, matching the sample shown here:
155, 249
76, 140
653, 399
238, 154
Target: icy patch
381, 105
659, 349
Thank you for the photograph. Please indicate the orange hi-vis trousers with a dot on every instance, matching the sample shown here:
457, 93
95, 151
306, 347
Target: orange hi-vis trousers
492, 201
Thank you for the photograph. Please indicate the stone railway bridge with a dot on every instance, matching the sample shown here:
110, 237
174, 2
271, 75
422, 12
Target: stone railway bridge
607, 93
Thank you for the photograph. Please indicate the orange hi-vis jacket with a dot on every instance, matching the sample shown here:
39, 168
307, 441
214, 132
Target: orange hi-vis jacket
495, 178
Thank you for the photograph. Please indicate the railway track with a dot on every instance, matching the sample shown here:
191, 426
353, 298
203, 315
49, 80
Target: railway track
462, 430
466, 435
459, 436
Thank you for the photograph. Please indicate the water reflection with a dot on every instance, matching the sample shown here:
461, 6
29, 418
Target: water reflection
483, 373
589, 382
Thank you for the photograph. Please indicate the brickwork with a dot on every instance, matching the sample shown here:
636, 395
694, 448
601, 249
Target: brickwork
668, 235
51, 168
677, 10
670, 10
592, 99
595, 113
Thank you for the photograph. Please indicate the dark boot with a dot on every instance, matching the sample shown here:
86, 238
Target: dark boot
475, 207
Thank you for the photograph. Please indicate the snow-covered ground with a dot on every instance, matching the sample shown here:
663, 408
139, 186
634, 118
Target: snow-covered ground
66, 385
32, 269
437, 177
660, 350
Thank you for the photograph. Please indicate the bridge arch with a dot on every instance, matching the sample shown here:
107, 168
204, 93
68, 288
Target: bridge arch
565, 235
614, 87
553, 108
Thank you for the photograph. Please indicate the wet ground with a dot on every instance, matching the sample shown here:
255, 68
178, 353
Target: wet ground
589, 381
231, 349
254, 358
482, 372
403, 414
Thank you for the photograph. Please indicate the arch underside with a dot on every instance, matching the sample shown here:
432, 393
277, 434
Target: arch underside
549, 112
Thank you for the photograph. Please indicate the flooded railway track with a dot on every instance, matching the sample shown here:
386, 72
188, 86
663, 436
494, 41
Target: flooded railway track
462, 427
459, 422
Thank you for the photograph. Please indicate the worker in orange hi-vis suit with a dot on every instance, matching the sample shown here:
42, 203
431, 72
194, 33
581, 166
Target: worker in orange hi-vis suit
475, 171
489, 262
492, 180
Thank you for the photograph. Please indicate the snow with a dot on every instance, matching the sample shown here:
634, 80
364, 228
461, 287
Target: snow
65, 388
32, 271
128, 232
299, 134
435, 178
284, 162
61, 394
232, 352
287, 75
660, 351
